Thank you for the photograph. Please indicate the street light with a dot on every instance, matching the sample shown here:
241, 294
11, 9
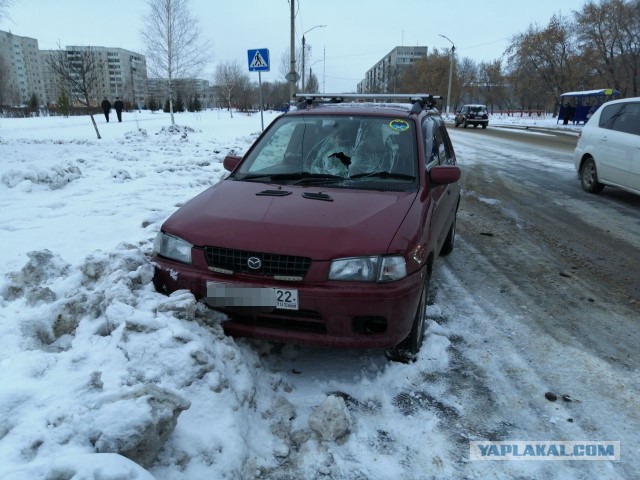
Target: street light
303, 50
451, 61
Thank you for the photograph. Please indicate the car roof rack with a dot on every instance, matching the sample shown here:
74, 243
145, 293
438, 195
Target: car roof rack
420, 101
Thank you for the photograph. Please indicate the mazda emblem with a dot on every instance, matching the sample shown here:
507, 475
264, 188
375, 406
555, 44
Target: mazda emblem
254, 263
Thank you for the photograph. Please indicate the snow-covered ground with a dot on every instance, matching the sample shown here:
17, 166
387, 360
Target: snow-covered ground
91, 355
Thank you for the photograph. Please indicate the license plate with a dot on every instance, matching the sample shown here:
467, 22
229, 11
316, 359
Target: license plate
286, 299
227, 295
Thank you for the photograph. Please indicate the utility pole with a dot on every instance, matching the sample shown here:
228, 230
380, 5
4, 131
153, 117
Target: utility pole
292, 48
451, 62
303, 47
304, 51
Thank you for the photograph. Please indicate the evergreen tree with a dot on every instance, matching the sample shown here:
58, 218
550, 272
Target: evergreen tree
179, 104
63, 104
34, 103
152, 104
167, 107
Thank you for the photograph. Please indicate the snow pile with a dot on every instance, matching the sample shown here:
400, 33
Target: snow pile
53, 177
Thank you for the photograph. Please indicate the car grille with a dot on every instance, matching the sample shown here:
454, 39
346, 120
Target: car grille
270, 264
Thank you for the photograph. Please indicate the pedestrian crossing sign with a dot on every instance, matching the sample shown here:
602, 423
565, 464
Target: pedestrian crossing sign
258, 60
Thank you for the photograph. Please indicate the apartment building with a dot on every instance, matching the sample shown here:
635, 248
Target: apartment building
20, 70
24, 71
384, 75
124, 74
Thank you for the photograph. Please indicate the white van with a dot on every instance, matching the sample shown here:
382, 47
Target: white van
608, 151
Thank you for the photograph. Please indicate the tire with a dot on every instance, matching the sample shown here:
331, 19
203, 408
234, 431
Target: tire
456, 124
484, 125
589, 177
475, 125
447, 246
465, 124
407, 350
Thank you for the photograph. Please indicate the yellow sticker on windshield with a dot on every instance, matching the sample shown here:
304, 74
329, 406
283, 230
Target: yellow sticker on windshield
399, 125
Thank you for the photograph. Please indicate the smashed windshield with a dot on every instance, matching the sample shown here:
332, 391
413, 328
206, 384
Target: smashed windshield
334, 148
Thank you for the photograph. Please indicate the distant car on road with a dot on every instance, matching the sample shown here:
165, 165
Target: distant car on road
326, 231
608, 150
472, 115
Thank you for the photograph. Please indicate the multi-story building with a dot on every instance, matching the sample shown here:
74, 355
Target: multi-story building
124, 74
20, 70
25, 70
383, 76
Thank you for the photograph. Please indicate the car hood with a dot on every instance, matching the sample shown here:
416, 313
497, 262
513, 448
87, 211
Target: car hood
232, 215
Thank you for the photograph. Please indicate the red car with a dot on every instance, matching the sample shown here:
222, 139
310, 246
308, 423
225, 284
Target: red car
327, 230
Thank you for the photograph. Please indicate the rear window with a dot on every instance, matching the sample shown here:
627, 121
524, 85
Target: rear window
478, 109
622, 117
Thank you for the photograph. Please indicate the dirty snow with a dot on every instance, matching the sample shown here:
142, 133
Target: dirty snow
82, 329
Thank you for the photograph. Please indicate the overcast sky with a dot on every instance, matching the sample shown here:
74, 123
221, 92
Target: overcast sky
358, 33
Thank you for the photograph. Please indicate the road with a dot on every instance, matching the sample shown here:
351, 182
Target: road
541, 294
559, 269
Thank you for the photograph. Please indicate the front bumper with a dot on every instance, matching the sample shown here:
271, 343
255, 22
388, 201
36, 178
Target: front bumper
330, 314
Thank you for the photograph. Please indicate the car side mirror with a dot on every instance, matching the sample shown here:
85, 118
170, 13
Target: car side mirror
230, 162
445, 174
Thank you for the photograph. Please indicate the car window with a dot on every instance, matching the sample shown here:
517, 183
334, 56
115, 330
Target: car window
447, 154
436, 139
478, 109
342, 146
627, 119
609, 115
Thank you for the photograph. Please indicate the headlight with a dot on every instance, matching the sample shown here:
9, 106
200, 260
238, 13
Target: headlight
368, 269
172, 247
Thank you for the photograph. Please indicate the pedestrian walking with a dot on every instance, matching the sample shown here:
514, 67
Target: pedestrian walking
106, 108
118, 106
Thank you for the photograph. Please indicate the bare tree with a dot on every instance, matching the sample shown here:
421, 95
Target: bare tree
547, 53
79, 71
430, 73
610, 35
285, 63
173, 43
230, 80
492, 80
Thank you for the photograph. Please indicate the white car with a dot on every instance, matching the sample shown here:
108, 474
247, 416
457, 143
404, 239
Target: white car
608, 151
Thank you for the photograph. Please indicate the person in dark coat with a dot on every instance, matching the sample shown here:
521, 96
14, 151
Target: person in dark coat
106, 108
567, 114
118, 106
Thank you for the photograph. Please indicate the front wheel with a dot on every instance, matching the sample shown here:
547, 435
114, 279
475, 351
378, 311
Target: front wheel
465, 124
484, 125
589, 177
407, 350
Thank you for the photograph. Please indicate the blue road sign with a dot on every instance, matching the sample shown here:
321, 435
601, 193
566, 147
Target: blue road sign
258, 60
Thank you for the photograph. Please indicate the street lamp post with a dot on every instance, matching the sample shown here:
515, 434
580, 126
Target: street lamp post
303, 50
451, 61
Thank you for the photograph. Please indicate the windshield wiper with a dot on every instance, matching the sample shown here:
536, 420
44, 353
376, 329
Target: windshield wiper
318, 178
399, 176
297, 177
